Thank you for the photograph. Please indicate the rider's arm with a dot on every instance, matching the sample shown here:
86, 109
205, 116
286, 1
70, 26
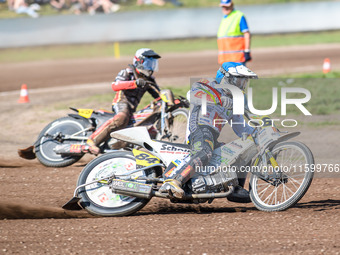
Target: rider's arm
125, 75
195, 93
123, 85
154, 90
124, 80
240, 126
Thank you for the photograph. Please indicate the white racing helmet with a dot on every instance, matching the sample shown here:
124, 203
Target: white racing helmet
146, 61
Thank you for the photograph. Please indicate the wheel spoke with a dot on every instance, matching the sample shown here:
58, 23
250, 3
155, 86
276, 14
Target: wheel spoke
264, 190
283, 192
292, 182
275, 196
289, 190
269, 196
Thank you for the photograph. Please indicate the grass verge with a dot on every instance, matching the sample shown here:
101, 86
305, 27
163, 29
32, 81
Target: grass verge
170, 46
325, 94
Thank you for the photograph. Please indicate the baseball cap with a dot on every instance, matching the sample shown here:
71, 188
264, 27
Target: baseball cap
225, 2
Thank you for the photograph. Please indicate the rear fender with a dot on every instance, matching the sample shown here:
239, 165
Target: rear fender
134, 135
165, 151
89, 122
76, 116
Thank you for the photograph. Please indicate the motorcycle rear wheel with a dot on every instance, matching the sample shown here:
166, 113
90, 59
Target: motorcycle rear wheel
295, 162
98, 199
45, 145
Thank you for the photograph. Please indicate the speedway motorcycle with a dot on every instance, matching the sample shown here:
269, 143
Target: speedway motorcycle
122, 183
164, 120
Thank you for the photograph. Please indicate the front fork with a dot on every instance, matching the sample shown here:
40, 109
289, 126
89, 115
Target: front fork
164, 121
267, 155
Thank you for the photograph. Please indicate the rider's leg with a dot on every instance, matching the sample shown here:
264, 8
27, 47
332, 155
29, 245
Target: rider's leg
240, 195
119, 121
240, 126
202, 143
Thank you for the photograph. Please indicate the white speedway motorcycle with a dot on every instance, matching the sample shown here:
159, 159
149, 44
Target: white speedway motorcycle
123, 182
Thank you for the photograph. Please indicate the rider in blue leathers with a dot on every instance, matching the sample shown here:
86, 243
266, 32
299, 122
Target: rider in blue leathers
205, 127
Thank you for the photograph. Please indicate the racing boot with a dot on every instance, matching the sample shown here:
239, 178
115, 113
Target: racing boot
173, 187
91, 147
240, 195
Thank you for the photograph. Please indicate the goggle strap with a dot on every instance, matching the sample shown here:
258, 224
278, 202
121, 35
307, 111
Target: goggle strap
224, 72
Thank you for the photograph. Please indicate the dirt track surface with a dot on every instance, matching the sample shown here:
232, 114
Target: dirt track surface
31, 218
312, 227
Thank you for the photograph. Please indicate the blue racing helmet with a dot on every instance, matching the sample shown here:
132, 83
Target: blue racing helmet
235, 74
225, 66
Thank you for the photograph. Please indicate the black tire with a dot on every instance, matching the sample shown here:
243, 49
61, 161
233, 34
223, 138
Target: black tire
293, 172
98, 199
178, 125
45, 145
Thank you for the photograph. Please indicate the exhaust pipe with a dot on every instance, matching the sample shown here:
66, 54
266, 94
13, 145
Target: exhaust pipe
145, 191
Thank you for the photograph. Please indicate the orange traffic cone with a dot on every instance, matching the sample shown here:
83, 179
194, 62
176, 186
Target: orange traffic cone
23, 95
326, 66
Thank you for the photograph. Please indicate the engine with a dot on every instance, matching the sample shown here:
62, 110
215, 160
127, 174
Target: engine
214, 182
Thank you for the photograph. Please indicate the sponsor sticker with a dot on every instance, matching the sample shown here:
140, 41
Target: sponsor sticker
167, 174
236, 145
86, 113
228, 151
166, 148
75, 148
129, 166
103, 197
144, 159
186, 171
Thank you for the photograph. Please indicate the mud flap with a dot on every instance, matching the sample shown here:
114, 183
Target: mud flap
72, 205
27, 153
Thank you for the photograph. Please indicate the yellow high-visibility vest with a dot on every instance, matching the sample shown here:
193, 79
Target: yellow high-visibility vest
230, 39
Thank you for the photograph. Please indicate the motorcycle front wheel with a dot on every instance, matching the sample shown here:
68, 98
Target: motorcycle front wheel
98, 199
178, 125
44, 147
288, 183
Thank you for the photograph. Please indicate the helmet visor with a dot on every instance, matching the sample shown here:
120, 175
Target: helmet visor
240, 82
150, 64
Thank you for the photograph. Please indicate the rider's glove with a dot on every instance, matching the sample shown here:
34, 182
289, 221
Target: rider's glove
227, 102
247, 55
140, 83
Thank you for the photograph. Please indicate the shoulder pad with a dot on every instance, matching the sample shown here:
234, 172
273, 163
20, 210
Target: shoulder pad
124, 75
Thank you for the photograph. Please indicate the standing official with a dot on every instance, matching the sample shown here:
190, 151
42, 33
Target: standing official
233, 37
